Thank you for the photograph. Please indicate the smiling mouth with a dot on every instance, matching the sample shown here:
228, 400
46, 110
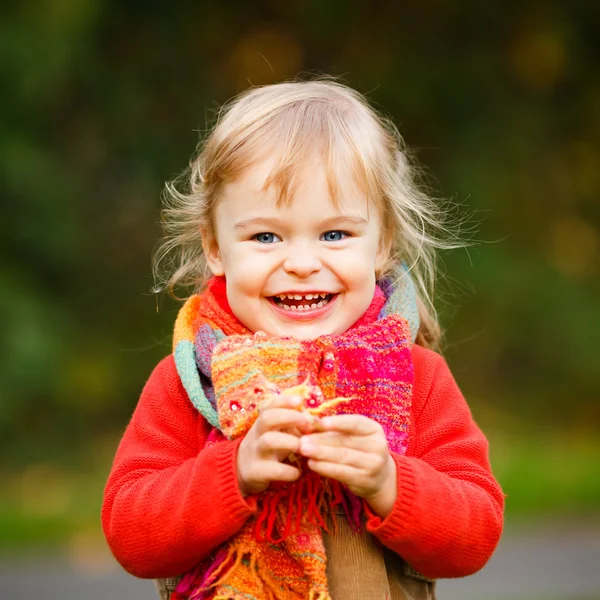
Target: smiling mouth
302, 302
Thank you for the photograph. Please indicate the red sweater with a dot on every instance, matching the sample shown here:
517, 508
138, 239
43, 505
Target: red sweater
169, 501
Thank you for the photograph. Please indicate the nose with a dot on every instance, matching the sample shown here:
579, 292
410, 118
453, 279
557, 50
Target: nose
302, 260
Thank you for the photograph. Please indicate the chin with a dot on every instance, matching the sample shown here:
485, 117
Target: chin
310, 334
314, 330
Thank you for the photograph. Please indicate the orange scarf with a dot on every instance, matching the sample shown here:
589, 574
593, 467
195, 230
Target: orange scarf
227, 371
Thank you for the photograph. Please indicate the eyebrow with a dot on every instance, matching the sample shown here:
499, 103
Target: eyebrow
337, 220
247, 223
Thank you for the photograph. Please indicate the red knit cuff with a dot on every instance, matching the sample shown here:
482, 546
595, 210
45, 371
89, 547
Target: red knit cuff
238, 506
392, 526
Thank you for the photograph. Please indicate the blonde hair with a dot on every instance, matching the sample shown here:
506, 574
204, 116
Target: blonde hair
300, 118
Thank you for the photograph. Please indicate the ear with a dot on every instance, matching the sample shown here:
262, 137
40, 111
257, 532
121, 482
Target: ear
212, 253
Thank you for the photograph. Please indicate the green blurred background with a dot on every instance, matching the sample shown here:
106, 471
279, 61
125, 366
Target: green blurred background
103, 102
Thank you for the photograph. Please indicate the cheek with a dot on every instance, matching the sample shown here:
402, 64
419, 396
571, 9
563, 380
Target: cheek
359, 268
245, 270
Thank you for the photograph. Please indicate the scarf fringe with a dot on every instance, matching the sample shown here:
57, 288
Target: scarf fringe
282, 511
203, 584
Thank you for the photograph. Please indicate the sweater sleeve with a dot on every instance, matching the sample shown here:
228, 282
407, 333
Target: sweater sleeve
169, 500
448, 516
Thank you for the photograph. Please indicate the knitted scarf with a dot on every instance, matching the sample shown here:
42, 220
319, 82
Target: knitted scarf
228, 372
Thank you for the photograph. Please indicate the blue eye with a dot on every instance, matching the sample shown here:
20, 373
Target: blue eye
265, 237
333, 236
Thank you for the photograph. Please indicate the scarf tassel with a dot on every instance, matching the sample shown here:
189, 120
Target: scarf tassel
281, 512
202, 583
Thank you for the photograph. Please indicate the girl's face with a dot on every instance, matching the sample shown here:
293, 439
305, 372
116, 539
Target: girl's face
303, 270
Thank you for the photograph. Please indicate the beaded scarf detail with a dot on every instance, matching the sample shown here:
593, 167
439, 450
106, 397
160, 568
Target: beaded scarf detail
227, 371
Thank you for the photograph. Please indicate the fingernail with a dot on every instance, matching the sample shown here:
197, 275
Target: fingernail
296, 400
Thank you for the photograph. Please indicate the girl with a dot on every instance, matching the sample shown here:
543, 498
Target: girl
304, 440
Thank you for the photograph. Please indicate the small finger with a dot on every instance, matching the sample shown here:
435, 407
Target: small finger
335, 438
340, 455
277, 471
350, 424
347, 474
313, 423
280, 418
293, 431
277, 442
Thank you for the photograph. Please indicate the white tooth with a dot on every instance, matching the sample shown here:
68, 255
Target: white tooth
292, 307
297, 297
320, 304
302, 307
282, 296
313, 306
323, 295
309, 296
285, 307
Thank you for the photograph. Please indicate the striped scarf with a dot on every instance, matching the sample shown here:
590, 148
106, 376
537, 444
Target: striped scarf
227, 371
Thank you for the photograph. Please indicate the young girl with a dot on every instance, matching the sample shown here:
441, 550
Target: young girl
304, 440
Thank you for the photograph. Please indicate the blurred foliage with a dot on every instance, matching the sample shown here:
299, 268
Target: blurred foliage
103, 102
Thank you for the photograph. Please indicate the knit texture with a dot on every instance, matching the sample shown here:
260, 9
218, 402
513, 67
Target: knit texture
205, 320
172, 497
367, 370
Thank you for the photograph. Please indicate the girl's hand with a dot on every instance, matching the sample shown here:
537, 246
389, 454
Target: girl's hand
272, 438
353, 450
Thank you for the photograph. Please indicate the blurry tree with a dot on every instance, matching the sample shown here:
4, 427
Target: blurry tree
102, 102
